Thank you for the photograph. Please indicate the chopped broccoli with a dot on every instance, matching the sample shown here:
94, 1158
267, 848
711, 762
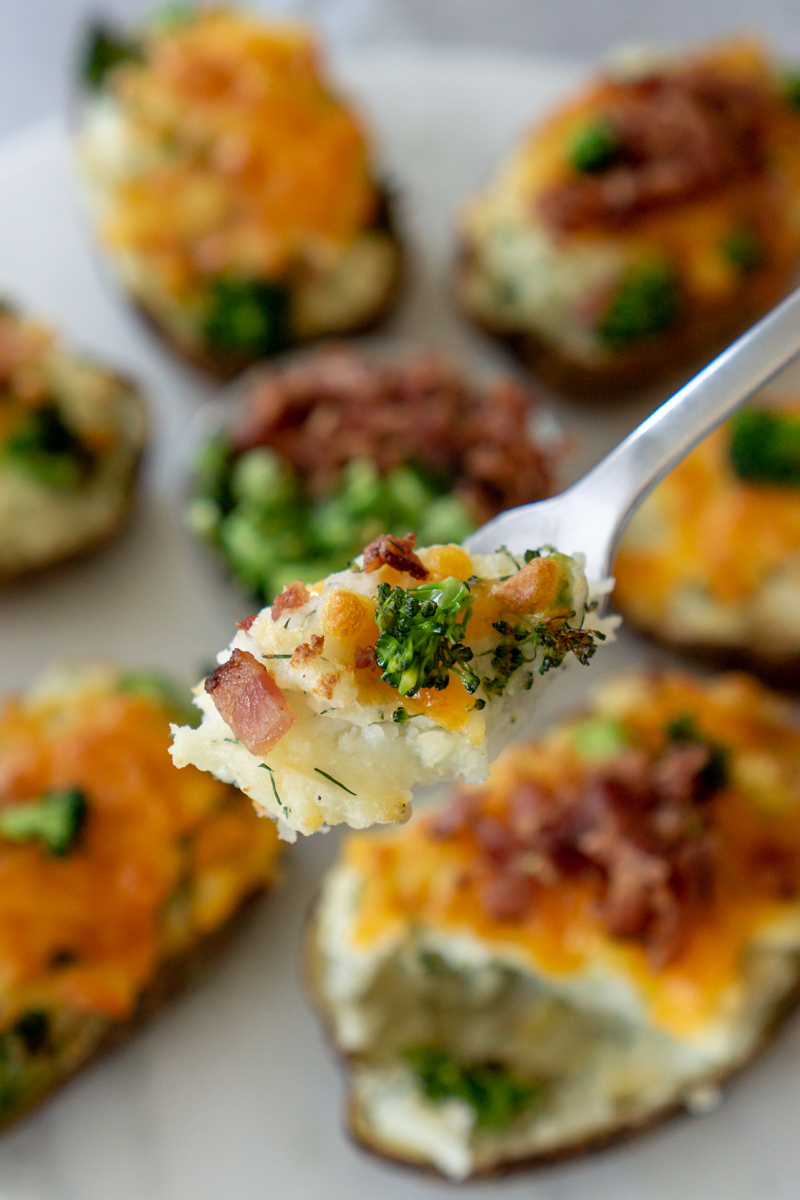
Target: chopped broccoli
595, 146
494, 1093
599, 737
647, 302
743, 250
421, 628
765, 446
56, 819
684, 729
104, 49
43, 446
159, 690
246, 317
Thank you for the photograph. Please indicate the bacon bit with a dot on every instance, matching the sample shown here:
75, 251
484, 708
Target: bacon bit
365, 658
293, 596
396, 552
326, 685
635, 825
533, 589
681, 135
246, 622
248, 699
307, 650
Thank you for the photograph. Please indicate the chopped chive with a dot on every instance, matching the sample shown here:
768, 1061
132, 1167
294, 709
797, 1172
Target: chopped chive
277, 656
336, 781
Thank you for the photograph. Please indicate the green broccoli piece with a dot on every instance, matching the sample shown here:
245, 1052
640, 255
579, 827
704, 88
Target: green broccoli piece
594, 147
743, 250
158, 689
104, 49
44, 447
56, 819
246, 317
599, 737
647, 302
765, 446
492, 1091
421, 628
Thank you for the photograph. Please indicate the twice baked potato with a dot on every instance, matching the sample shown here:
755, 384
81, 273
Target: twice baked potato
330, 705
232, 189
650, 218
330, 452
119, 873
596, 938
71, 435
710, 564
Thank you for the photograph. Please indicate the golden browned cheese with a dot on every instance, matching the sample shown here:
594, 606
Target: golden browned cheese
710, 531
414, 876
164, 858
254, 164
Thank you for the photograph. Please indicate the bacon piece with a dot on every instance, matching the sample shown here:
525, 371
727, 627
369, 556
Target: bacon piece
307, 650
293, 596
246, 622
248, 699
506, 895
366, 658
397, 552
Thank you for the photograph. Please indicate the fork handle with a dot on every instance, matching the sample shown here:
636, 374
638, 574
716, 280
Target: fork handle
626, 475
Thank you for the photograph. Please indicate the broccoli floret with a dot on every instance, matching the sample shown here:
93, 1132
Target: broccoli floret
493, 1092
104, 49
743, 249
647, 302
56, 820
43, 446
599, 737
765, 446
594, 147
161, 691
246, 317
421, 628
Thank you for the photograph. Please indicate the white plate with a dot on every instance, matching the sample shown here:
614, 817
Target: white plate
231, 1094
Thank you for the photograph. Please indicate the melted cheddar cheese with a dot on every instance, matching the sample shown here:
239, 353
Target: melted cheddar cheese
242, 157
414, 879
705, 531
165, 856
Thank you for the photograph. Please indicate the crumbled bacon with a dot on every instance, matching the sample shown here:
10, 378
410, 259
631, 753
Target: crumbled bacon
293, 596
246, 622
307, 650
365, 658
337, 406
638, 826
680, 135
250, 702
397, 552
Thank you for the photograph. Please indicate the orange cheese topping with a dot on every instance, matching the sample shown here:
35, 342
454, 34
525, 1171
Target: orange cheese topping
88, 930
411, 877
690, 233
711, 531
253, 165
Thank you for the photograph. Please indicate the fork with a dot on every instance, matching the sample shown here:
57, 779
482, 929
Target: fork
590, 516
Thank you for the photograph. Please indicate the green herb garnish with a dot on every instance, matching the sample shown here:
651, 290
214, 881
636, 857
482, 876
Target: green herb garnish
43, 446
421, 631
104, 49
494, 1093
765, 446
56, 819
336, 781
246, 317
743, 248
595, 147
647, 302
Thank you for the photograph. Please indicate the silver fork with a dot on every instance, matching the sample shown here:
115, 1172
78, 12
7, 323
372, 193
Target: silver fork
590, 516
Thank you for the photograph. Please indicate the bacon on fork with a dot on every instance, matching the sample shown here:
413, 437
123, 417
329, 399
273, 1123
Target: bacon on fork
250, 701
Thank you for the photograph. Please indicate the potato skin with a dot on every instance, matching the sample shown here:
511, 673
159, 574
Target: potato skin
675, 355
